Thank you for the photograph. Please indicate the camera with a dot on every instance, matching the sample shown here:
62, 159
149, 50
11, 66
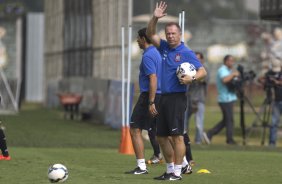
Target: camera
238, 82
268, 79
245, 76
270, 87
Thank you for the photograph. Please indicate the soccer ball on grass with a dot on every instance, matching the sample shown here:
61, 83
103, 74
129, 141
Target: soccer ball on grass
57, 173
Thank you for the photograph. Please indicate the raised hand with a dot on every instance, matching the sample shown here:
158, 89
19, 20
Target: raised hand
160, 9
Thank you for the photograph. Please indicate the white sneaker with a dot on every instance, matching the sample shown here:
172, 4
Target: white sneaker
186, 169
155, 160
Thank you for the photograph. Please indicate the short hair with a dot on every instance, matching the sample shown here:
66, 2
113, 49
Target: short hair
142, 34
200, 54
226, 58
173, 24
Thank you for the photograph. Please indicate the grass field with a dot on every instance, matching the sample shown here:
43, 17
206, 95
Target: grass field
39, 137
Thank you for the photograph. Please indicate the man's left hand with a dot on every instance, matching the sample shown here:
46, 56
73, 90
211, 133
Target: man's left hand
185, 79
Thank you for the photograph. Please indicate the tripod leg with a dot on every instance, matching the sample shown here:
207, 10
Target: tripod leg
265, 110
242, 120
266, 118
252, 107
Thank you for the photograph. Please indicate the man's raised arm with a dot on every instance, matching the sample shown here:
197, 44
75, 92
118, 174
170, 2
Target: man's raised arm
151, 29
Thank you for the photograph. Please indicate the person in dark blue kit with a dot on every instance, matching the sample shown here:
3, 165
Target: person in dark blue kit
196, 96
145, 110
157, 157
173, 102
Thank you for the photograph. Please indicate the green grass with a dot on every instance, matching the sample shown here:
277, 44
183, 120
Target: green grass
95, 165
39, 127
38, 138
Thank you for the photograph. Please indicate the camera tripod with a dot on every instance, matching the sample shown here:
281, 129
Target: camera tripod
265, 109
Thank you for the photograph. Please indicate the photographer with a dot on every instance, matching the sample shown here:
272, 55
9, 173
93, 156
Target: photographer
273, 80
226, 99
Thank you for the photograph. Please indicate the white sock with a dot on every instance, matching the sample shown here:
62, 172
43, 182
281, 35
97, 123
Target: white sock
170, 167
177, 170
184, 163
141, 163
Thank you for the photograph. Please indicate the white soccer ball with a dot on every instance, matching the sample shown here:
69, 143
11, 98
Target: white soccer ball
58, 173
185, 69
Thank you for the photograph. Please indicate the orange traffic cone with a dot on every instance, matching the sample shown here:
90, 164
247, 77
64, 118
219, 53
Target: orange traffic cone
126, 146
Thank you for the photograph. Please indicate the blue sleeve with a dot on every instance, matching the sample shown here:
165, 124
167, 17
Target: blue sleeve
194, 60
148, 65
163, 45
